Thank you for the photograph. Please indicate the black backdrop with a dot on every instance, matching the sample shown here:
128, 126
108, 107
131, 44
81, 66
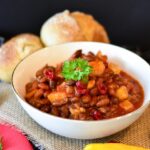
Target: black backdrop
127, 21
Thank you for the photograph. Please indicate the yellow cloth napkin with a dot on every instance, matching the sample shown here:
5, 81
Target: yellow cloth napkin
112, 146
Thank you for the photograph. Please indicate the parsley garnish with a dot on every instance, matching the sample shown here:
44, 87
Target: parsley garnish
77, 69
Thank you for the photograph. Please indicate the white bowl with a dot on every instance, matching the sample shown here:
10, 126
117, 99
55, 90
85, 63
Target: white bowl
128, 61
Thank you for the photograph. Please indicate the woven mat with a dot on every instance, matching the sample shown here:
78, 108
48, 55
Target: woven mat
10, 111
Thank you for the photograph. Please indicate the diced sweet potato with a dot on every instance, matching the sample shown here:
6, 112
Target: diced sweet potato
58, 98
126, 105
98, 67
91, 84
114, 68
122, 93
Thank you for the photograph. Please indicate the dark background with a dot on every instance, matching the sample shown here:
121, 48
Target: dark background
127, 21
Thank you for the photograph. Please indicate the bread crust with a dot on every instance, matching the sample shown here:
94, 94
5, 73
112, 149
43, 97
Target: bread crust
76, 26
61, 28
91, 29
14, 50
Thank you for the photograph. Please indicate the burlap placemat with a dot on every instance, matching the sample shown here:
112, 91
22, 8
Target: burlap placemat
11, 111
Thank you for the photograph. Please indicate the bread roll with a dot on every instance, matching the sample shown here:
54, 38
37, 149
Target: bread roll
14, 50
91, 29
75, 26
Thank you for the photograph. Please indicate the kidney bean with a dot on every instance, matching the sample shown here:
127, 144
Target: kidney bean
103, 109
49, 74
70, 90
94, 91
97, 115
86, 98
51, 68
81, 88
55, 111
82, 91
85, 105
34, 85
130, 86
102, 88
74, 99
61, 87
38, 93
94, 101
41, 79
34, 103
43, 86
77, 54
30, 94
114, 100
82, 116
38, 103
91, 54
113, 86
29, 87
103, 102
45, 108
46, 93
39, 73
108, 115
75, 109
64, 111
59, 80
88, 57
81, 85
109, 81
111, 91
113, 108
60, 102
79, 92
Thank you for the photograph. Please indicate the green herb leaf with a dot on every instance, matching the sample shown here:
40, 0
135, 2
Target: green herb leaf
77, 69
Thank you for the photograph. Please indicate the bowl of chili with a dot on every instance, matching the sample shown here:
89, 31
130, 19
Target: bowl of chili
83, 90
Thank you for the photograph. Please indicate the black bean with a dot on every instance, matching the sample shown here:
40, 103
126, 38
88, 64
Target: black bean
70, 82
52, 84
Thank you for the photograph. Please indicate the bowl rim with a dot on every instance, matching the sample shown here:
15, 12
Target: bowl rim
68, 119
